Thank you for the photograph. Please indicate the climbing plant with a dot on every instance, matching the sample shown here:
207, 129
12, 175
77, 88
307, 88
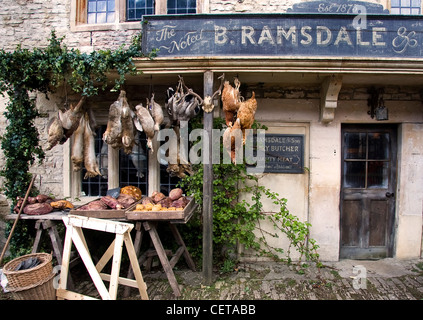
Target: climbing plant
238, 215
43, 70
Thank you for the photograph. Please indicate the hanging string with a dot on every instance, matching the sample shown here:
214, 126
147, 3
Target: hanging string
151, 88
66, 103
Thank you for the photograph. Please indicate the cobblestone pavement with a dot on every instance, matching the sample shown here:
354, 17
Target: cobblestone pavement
387, 279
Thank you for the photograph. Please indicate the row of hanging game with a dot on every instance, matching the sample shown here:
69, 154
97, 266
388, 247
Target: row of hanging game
182, 104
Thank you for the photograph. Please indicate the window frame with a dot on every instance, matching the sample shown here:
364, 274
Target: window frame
78, 15
401, 7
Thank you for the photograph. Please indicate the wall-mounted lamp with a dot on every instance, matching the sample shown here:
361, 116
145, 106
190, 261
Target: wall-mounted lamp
377, 105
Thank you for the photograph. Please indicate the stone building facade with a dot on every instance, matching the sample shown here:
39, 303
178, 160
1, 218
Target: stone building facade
289, 92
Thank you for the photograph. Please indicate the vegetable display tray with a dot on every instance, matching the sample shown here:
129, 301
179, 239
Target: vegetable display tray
102, 214
175, 216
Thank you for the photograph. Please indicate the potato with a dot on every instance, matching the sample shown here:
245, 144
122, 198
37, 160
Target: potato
158, 196
175, 194
139, 207
156, 207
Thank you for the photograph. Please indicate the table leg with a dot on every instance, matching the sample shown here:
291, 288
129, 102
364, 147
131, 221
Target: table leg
50, 226
137, 247
151, 228
181, 243
37, 240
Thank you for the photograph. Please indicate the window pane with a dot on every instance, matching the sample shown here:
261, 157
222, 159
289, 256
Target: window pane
406, 11
101, 17
92, 6
91, 18
354, 174
101, 6
140, 3
101, 11
395, 11
405, 3
182, 4
110, 17
377, 174
415, 3
415, 11
354, 145
394, 3
378, 146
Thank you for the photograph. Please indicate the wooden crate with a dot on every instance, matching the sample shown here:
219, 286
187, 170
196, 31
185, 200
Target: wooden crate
102, 214
176, 216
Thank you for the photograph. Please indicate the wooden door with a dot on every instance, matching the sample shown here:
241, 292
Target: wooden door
368, 191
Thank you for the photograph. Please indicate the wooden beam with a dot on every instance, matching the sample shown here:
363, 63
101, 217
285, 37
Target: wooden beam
208, 187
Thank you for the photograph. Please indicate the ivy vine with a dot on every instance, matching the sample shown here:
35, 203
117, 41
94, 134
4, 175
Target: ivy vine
44, 70
238, 216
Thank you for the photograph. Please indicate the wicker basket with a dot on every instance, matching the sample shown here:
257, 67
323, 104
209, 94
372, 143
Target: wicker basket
28, 277
42, 290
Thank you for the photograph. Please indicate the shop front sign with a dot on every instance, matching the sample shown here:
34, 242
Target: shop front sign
284, 153
321, 28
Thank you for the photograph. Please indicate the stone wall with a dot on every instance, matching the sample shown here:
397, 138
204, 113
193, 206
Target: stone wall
30, 22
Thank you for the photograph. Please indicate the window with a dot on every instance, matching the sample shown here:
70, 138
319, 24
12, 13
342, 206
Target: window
100, 11
167, 182
133, 168
181, 6
366, 159
405, 6
95, 15
135, 9
97, 186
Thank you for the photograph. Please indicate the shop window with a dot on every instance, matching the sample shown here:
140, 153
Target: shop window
405, 6
133, 168
181, 6
167, 182
97, 186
